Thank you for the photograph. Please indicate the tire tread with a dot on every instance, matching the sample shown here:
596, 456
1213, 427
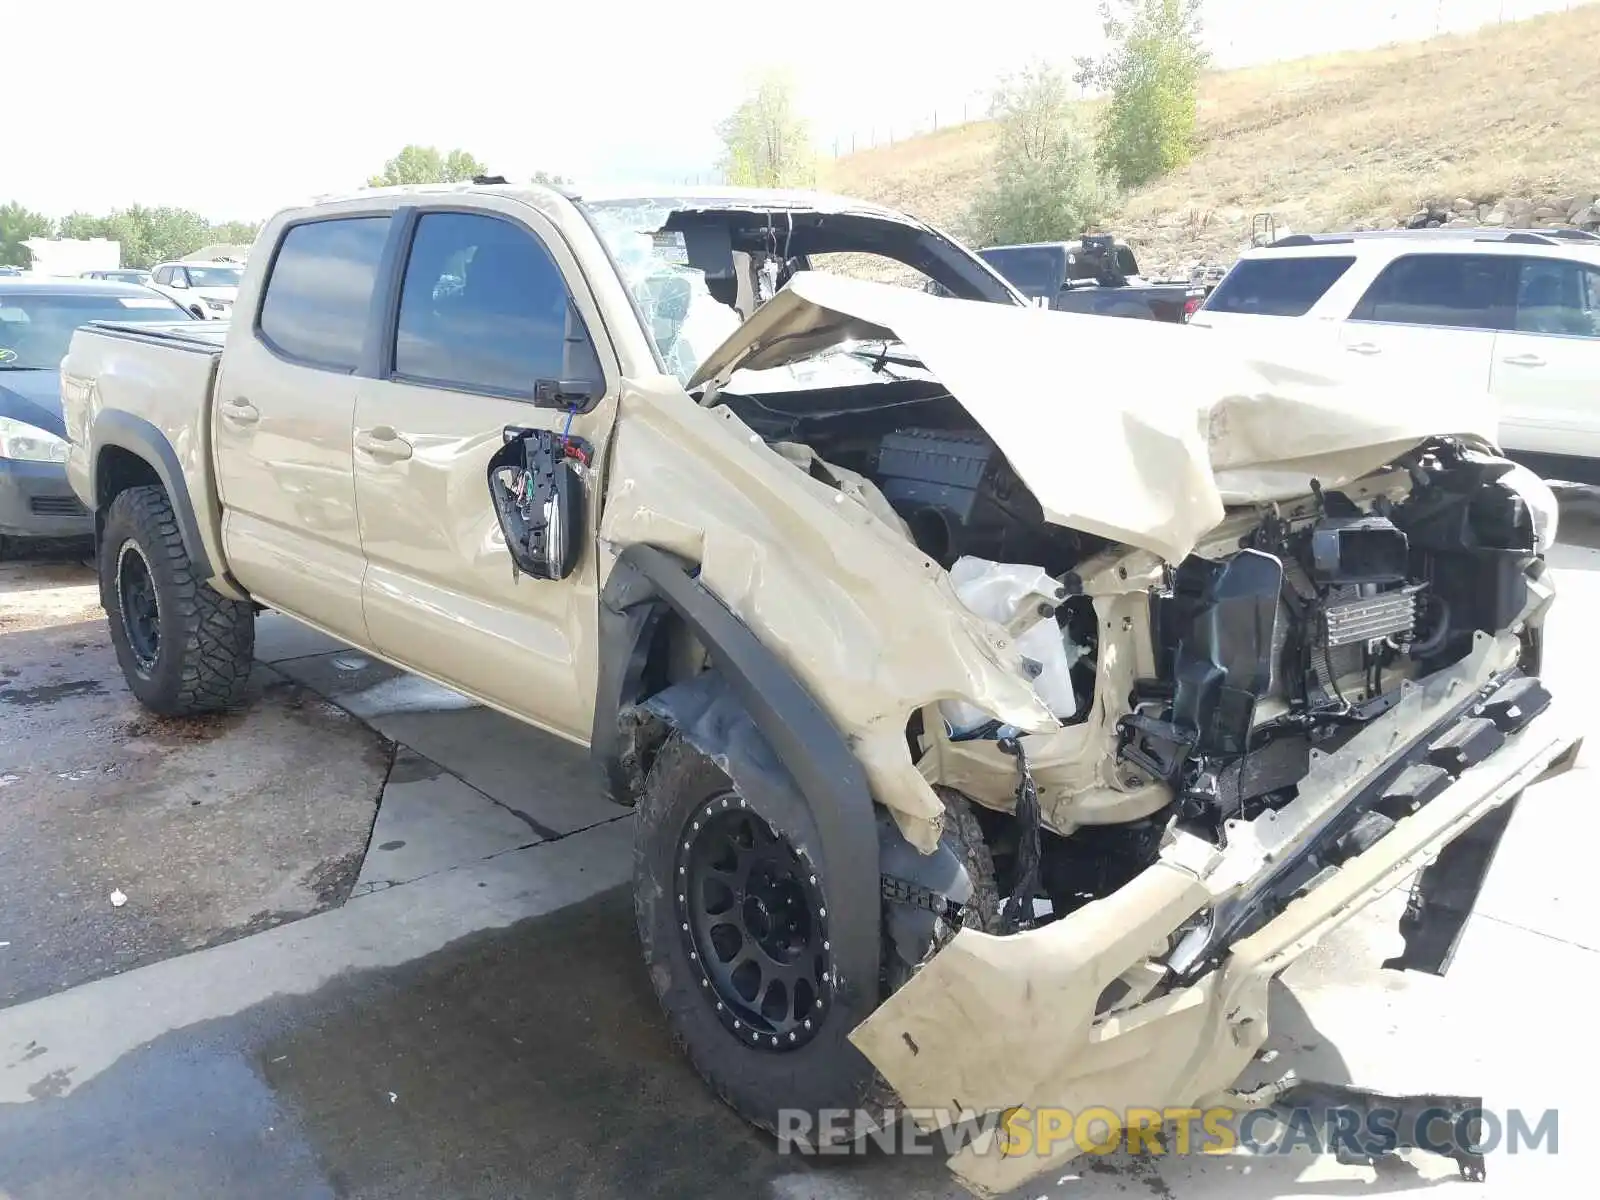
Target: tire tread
218, 634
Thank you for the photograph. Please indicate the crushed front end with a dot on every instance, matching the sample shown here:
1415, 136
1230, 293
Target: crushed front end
1323, 699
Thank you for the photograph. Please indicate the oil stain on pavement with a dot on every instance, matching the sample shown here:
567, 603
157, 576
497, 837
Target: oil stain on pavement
526, 1062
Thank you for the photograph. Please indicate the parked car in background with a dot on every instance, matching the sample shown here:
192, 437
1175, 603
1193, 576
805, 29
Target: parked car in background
864, 624
1097, 275
1513, 311
205, 289
37, 318
7, 271
120, 275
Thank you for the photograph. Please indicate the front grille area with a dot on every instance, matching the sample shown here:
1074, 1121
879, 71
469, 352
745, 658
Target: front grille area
56, 506
1369, 617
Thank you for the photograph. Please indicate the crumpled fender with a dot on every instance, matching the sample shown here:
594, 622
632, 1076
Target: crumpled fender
870, 626
831, 821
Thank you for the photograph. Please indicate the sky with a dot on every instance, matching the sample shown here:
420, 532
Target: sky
236, 108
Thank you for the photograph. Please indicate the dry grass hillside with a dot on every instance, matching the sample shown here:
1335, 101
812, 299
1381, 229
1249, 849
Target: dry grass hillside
1350, 140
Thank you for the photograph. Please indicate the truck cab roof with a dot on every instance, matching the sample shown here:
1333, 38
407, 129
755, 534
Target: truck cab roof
709, 197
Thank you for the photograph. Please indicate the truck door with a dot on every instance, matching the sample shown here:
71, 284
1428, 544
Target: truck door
285, 402
487, 331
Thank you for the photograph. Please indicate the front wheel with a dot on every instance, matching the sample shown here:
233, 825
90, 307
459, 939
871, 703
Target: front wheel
734, 922
183, 647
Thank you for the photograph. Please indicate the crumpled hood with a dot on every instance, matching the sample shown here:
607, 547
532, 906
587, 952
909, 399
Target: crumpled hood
1137, 431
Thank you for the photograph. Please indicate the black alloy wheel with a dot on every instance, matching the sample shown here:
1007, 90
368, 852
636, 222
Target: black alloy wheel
139, 605
755, 923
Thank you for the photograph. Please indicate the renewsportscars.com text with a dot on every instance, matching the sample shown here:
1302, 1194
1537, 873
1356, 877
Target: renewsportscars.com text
1048, 1132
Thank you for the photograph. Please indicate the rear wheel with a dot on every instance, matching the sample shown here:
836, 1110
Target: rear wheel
183, 647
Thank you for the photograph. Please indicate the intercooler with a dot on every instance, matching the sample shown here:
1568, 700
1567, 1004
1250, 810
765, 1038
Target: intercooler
1360, 619
1345, 620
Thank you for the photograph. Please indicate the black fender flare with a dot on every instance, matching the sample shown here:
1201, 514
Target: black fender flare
756, 720
139, 437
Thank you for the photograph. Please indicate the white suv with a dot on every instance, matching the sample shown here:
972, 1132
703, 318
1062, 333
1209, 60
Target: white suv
206, 289
1513, 311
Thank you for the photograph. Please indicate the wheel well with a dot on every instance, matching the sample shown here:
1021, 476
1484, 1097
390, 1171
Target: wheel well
116, 471
672, 654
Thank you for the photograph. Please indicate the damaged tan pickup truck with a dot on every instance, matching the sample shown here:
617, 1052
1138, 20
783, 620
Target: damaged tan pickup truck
998, 727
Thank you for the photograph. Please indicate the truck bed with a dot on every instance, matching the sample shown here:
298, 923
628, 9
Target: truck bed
204, 337
156, 379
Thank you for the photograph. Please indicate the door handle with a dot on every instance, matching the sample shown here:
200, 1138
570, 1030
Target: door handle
240, 411
1364, 348
381, 441
1523, 360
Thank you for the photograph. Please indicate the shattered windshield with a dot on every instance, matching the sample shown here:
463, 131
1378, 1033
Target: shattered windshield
683, 318
664, 247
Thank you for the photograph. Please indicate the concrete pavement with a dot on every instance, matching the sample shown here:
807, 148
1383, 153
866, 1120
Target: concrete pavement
209, 828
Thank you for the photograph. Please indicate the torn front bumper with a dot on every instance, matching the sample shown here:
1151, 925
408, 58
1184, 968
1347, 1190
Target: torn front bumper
995, 1023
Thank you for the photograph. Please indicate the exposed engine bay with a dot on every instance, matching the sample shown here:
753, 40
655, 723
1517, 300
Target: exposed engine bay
1287, 630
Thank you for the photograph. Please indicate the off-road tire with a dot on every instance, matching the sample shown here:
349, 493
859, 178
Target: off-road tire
206, 641
964, 836
825, 1073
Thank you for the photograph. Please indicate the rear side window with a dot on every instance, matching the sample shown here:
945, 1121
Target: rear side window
1558, 296
1084, 268
1032, 270
1277, 287
320, 290
485, 308
1461, 291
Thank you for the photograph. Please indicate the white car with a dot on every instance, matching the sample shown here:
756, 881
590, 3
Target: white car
206, 289
1513, 311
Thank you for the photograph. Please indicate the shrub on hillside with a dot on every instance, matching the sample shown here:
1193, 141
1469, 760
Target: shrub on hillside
1044, 185
1151, 76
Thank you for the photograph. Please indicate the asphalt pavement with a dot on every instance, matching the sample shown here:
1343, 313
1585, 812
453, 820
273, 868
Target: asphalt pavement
460, 1011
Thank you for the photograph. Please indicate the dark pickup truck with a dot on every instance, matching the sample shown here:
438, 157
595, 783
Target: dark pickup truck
1096, 275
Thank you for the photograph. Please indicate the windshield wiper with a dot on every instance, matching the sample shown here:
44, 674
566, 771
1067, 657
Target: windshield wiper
882, 358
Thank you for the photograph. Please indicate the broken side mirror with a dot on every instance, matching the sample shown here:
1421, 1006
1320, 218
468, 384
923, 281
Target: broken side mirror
536, 485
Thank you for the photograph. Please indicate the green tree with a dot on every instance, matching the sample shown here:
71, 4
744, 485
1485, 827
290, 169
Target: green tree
1151, 75
1044, 184
425, 164
147, 235
83, 225
174, 232
17, 225
235, 233
765, 141
131, 228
